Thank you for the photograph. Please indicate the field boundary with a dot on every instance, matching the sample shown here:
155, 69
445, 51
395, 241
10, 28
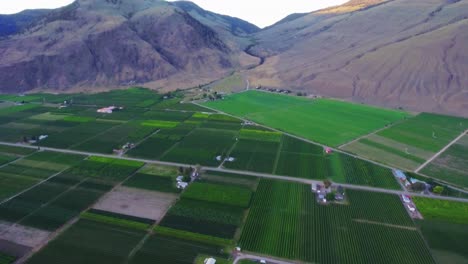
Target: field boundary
364, 221
441, 151
371, 133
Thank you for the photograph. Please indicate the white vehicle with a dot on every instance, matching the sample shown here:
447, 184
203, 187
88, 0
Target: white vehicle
411, 208
263, 261
405, 198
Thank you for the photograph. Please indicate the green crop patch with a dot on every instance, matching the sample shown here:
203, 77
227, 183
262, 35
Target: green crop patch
217, 193
201, 115
202, 146
78, 119
64, 208
260, 135
6, 158
160, 123
115, 220
215, 212
172, 116
16, 150
327, 121
6, 259
199, 226
303, 160
285, 220
450, 211
193, 237
253, 155
117, 137
165, 249
446, 239
153, 183
152, 148
90, 242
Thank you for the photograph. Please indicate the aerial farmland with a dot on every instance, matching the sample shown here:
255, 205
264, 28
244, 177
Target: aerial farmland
256, 176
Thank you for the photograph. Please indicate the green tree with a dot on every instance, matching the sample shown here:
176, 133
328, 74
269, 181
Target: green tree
438, 190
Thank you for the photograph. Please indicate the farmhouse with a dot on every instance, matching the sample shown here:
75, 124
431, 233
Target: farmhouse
109, 110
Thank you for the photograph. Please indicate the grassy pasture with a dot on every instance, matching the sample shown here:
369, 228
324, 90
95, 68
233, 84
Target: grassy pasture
449, 211
16, 150
326, 121
217, 193
286, 221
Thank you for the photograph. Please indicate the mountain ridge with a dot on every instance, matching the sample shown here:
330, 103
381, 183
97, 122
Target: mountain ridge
395, 53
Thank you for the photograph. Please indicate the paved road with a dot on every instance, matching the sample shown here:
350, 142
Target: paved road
441, 151
246, 173
242, 256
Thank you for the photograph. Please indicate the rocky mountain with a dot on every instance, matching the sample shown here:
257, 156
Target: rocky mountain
397, 53
96, 43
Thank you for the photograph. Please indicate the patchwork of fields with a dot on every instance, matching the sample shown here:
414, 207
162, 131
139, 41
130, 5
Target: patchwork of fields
109, 210
410, 143
325, 121
373, 228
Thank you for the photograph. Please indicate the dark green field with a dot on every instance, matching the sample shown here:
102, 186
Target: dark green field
368, 230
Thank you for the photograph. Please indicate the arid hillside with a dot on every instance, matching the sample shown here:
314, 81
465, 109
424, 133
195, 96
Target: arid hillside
399, 53
111, 43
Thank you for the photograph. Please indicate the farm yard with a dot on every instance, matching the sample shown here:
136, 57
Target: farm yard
117, 203
410, 143
325, 121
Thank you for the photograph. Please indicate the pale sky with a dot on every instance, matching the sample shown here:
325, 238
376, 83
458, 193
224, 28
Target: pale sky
260, 12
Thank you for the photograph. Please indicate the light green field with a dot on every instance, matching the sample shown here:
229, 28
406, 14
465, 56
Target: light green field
410, 143
452, 165
326, 121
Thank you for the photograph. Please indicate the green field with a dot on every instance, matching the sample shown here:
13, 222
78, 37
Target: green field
451, 166
90, 242
326, 121
303, 160
410, 143
368, 230
447, 240
218, 193
456, 212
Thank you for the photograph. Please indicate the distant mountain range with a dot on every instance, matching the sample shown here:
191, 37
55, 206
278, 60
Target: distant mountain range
396, 53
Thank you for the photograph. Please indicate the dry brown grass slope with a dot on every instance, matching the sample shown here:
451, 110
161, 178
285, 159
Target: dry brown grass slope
401, 53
